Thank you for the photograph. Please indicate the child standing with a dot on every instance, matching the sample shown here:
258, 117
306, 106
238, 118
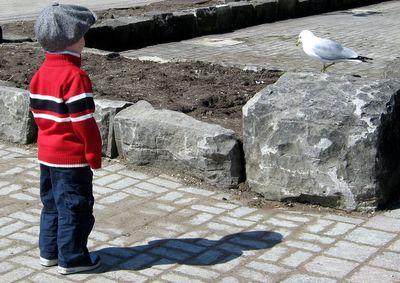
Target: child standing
69, 143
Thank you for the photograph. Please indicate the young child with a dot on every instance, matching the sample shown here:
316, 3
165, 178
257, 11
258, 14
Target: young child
69, 143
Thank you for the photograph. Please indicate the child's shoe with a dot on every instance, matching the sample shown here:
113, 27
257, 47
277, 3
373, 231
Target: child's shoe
48, 262
81, 268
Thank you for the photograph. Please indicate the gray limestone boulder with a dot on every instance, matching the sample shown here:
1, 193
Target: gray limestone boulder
104, 116
17, 124
325, 139
170, 139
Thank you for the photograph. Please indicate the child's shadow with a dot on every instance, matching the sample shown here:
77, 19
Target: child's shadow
190, 251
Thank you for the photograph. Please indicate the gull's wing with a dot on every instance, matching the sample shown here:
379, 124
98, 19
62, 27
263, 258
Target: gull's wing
328, 49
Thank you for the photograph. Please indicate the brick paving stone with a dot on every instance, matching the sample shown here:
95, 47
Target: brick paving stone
282, 223
387, 260
374, 274
123, 183
267, 267
103, 181
352, 251
165, 183
151, 187
384, 223
175, 278
21, 196
332, 267
24, 217
235, 221
138, 192
274, 254
300, 278
197, 191
5, 266
316, 238
126, 276
370, 237
395, 246
191, 270
172, 196
393, 213
254, 276
297, 258
304, 245
8, 189
16, 274
339, 229
229, 279
6, 230
113, 198
241, 211
208, 208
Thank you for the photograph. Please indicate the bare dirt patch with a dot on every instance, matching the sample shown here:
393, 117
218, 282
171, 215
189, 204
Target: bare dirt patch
207, 92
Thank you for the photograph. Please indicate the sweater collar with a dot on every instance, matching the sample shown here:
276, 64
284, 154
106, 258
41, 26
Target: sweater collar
62, 58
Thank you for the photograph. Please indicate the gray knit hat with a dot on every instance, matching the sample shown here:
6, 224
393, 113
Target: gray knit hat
59, 25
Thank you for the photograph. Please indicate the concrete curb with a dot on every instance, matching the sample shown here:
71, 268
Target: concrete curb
158, 27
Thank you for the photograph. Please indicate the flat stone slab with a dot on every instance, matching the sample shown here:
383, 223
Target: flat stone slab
146, 136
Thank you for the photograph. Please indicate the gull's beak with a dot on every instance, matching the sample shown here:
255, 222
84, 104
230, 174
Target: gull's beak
298, 42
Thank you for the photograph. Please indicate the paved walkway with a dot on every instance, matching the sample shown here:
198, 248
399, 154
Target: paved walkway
154, 228
272, 46
157, 229
27, 9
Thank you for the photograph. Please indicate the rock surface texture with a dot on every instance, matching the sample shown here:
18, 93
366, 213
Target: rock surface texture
324, 139
145, 136
104, 115
17, 123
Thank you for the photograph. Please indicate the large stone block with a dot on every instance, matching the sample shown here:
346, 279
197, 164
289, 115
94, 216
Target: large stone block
214, 19
17, 124
265, 11
121, 34
242, 14
286, 9
325, 139
173, 26
166, 138
104, 116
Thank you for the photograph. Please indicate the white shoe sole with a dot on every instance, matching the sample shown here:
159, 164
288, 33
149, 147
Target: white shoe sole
71, 270
48, 262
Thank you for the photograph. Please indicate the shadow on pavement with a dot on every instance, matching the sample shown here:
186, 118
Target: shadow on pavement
188, 251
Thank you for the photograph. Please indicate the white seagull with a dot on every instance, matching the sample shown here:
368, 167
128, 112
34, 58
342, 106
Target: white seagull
326, 50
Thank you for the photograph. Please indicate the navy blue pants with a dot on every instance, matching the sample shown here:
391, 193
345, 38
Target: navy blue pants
67, 216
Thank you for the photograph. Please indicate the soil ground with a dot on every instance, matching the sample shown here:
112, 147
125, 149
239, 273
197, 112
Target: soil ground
206, 92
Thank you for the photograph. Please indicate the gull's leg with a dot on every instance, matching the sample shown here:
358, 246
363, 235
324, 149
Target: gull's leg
326, 66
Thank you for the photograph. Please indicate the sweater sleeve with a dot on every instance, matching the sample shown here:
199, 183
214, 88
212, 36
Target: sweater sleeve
79, 100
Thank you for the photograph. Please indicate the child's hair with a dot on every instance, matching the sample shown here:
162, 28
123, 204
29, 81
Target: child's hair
59, 26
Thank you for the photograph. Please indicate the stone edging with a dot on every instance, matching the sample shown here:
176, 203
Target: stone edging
157, 27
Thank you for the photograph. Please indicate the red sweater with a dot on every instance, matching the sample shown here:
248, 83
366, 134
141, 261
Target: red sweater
61, 101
